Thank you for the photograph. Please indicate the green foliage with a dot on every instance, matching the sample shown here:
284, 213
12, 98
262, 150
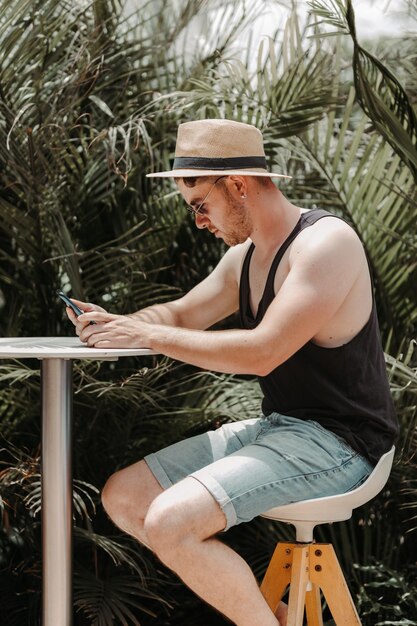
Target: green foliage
389, 598
378, 91
355, 173
90, 99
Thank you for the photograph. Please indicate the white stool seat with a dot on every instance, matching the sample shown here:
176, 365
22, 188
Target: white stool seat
307, 514
310, 569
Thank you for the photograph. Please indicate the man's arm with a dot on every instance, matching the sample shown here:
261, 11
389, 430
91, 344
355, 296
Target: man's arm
323, 272
212, 300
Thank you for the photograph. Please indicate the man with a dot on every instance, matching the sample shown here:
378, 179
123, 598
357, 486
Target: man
301, 282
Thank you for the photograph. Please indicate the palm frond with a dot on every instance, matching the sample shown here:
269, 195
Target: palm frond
112, 593
378, 91
116, 599
269, 96
367, 183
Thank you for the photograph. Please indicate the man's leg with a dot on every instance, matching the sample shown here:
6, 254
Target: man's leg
179, 524
127, 496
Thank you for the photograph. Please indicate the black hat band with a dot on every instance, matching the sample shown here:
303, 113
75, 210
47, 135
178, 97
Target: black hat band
230, 163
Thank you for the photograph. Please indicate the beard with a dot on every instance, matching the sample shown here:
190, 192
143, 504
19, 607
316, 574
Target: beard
239, 223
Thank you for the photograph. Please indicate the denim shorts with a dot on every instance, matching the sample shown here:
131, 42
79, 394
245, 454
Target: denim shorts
253, 465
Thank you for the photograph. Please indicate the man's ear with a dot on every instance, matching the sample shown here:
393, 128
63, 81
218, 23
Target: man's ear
238, 184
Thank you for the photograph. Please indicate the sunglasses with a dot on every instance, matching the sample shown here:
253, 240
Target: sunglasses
197, 211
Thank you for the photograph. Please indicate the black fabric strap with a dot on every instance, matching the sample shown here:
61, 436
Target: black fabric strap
230, 163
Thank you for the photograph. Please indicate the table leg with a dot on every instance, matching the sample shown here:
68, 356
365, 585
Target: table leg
56, 473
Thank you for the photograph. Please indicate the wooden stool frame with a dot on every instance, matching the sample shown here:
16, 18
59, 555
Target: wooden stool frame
308, 568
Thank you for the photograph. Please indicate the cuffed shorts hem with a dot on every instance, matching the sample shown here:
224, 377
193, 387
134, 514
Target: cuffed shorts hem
158, 471
220, 496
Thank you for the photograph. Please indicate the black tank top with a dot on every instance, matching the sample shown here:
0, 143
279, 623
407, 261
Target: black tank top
345, 389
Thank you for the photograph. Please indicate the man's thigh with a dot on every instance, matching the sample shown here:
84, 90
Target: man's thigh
172, 464
186, 508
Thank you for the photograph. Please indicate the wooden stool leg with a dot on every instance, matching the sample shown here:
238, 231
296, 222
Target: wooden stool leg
313, 606
278, 575
307, 568
299, 578
326, 572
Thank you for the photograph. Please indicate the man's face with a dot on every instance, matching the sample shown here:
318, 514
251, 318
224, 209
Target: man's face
219, 208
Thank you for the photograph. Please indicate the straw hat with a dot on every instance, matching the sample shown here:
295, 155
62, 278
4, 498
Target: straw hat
210, 147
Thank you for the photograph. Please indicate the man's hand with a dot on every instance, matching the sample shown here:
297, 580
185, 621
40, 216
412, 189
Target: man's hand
112, 331
84, 306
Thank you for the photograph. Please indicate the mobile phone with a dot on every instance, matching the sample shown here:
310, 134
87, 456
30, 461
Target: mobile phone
71, 304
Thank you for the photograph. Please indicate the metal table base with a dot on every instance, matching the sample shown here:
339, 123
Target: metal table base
56, 355
57, 568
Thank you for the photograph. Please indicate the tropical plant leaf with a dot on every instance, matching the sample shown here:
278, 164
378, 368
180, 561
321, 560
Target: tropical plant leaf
367, 184
378, 91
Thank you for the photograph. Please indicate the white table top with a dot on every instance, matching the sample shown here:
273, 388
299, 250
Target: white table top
61, 347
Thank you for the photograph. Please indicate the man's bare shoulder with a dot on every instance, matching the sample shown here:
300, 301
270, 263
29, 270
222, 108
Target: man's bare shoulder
329, 238
330, 223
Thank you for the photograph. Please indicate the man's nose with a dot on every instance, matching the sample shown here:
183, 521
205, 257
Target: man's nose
201, 221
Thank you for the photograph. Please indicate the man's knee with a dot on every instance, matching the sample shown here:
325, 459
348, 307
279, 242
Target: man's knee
166, 527
128, 493
113, 495
110, 493
182, 514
